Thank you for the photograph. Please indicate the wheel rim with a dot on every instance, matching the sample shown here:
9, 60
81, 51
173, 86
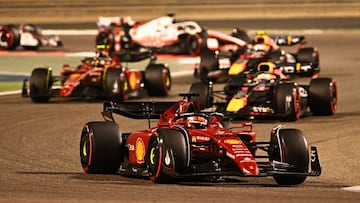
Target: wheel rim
86, 149
154, 161
166, 80
8, 37
152, 155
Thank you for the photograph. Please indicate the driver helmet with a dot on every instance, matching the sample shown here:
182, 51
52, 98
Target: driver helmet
267, 73
262, 38
262, 41
266, 67
197, 120
264, 78
261, 48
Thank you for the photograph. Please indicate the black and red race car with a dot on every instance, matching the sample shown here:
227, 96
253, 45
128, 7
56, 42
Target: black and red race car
216, 65
100, 77
27, 36
269, 93
187, 144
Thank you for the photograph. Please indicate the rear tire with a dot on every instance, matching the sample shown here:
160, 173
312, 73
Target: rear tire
193, 44
241, 34
208, 63
101, 147
157, 80
10, 34
290, 146
40, 85
323, 96
204, 98
308, 55
287, 98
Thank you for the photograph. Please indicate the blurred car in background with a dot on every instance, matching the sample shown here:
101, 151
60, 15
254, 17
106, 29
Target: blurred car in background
27, 36
100, 77
163, 35
216, 64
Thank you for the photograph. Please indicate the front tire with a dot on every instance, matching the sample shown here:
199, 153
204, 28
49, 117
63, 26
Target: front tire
101, 147
290, 146
287, 98
40, 85
115, 87
168, 154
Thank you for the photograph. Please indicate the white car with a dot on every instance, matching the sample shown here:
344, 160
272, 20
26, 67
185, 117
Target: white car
28, 36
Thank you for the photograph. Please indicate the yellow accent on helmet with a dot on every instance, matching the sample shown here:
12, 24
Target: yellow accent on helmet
266, 66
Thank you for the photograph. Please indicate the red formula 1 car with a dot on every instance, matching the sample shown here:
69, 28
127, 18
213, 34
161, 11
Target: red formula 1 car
100, 77
28, 36
188, 144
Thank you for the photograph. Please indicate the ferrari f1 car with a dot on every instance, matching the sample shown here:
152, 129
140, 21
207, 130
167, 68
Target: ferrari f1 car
162, 35
28, 36
100, 77
215, 64
269, 93
188, 144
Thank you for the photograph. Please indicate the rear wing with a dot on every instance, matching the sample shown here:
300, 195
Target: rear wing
289, 40
136, 110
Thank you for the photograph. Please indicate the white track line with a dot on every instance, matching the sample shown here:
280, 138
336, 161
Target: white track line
352, 188
10, 92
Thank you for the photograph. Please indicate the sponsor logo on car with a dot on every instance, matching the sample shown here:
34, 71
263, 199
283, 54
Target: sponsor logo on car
139, 150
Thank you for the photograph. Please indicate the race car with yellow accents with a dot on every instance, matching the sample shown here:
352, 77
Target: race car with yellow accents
100, 77
269, 93
216, 65
188, 145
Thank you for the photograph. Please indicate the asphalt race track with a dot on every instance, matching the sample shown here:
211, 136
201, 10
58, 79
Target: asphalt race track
39, 146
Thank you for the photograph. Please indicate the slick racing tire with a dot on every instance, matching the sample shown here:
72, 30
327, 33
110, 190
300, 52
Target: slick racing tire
241, 34
290, 146
9, 37
193, 44
204, 99
40, 85
208, 63
308, 55
287, 100
101, 147
168, 154
157, 80
323, 96
115, 86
